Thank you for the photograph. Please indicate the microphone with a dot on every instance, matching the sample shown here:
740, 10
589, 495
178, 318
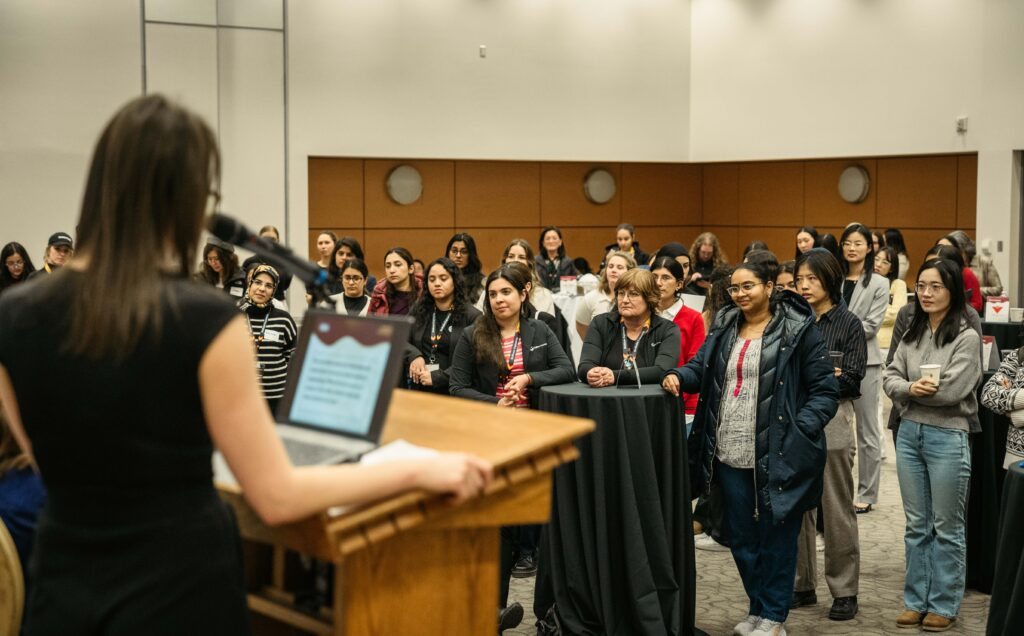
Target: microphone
231, 231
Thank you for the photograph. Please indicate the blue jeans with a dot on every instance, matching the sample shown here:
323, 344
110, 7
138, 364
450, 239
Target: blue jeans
765, 553
934, 469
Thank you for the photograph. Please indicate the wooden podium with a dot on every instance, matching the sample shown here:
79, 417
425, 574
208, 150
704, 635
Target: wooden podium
414, 564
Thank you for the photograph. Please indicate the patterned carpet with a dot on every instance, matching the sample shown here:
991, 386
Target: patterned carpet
721, 602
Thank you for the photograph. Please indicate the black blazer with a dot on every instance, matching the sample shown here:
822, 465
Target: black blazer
659, 349
543, 358
438, 379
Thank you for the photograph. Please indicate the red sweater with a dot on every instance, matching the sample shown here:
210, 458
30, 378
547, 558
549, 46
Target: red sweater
691, 331
973, 290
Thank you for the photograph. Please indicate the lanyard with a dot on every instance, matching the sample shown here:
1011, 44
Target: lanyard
515, 345
629, 355
435, 335
257, 340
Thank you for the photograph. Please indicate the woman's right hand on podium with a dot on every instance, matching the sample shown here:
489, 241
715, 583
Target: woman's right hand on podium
459, 475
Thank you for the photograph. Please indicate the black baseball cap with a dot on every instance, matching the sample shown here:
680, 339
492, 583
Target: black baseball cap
61, 238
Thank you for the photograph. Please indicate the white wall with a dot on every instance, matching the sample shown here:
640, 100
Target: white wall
65, 67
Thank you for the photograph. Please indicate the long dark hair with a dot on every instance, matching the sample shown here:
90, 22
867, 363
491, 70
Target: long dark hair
809, 229
152, 172
389, 289
869, 260
755, 245
471, 275
828, 241
674, 268
894, 239
946, 252
357, 264
718, 297
949, 328
6, 280
824, 265
561, 248
425, 306
894, 263
228, 263
353, 246
487, 334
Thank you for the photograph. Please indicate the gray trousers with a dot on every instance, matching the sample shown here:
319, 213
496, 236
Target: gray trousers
842, 541
869, 436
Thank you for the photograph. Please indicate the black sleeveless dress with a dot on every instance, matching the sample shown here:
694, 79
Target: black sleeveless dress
133, 538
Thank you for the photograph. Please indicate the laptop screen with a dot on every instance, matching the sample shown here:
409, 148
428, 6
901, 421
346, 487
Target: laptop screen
340, 369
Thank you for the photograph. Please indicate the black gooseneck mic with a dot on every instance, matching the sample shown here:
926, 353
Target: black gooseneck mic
231, 231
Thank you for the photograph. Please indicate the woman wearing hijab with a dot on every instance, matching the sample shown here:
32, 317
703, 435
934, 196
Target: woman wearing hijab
273, 332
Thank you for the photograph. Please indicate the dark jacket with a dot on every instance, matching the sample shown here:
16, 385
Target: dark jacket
641, 257
543, 359
658, 351
797, 396
557, 325
551, 274
286, 276
439, 378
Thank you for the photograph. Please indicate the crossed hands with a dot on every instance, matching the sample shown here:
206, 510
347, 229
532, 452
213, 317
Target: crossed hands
514, 389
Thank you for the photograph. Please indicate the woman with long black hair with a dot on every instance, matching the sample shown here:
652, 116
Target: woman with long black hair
401, 287
441, 313
221, 269
461, 249
894, 239
552, 263
806, 239
153, 370
15, 265
353, 299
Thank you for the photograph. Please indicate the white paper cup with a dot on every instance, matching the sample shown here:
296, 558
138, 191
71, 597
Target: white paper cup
1016, 314
931, 371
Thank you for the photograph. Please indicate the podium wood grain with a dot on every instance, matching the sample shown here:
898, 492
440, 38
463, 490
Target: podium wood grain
413, 563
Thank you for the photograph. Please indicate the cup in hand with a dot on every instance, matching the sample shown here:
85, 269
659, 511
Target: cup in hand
837, 358
931, 371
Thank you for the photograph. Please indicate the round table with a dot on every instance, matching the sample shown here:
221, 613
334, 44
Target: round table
1006, 611
1007, 334
617, 556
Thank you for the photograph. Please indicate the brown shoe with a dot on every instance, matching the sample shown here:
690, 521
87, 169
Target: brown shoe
909, 618
936, 623
697, 528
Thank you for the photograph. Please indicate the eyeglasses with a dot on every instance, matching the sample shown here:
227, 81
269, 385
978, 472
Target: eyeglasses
934, 288
459, 252
258, 284
16, 265
746, 288
631, 294
353, 279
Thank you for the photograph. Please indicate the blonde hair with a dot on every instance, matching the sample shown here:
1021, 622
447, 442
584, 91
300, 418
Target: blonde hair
641, 281
630, 264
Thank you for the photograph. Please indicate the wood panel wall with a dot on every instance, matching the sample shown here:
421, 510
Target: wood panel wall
495, 201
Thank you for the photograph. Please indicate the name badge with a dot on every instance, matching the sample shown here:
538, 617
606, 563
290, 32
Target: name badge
272, 336
235, 291
433, 367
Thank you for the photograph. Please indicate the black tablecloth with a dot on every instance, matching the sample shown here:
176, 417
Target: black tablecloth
1007, 334
987, 450
617, 557
1006, 611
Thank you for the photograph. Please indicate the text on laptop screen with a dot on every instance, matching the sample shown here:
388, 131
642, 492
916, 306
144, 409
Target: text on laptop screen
341, 377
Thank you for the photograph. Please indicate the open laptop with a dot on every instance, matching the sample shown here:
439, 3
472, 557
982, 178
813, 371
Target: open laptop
339, 386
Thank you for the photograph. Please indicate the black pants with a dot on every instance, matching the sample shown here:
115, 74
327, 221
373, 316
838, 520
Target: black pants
710, 513
515, 541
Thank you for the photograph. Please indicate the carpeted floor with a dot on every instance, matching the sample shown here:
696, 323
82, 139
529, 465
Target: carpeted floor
721, 602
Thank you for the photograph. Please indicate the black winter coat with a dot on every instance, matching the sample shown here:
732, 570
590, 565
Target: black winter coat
658, 352
438, 379
797, 396
543, 359
551, 274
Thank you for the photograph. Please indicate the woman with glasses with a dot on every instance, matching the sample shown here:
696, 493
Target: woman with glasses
16, 265
631, 345
601, 300
887, 264
933, 381
353, 299
552, 263
441, 314
348, 248
867, 296
220, 268
461, 250
273, 332
396, 294
787, 277
767, 389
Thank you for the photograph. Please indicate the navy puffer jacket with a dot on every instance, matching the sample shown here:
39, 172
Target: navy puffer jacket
797, 396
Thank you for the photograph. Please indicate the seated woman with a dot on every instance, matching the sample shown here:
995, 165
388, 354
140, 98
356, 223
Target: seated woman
22, 496
600, 301
441, 314
273, 332
353, 300
630, 344
396, 294
670, 277
461, 249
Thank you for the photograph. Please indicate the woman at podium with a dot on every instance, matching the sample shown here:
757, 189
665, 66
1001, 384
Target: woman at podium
153, 370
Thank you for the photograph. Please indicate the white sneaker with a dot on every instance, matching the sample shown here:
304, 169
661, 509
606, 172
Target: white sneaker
769, 628
819, 542
748, 625
706, 542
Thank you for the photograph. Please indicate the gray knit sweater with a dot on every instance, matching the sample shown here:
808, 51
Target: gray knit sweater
956, 400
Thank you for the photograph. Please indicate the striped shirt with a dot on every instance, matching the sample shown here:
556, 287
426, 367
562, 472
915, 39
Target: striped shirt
517, 369
842, 331
273, 340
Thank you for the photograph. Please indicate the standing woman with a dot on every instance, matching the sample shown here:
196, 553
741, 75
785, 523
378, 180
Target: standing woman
767, 389
625, 241
706, 254
325, 244
462, 250
396, 294
552, 263
350, 248
220, 268
601, 300
670, 278
353, 300
886, 263
971, 285
273, 332
867, 296
270, 233
894, 239
933, 456
806, 239
153, 371
441, 314
17, 266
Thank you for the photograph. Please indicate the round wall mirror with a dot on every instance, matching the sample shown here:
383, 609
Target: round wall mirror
599, 186
405, 185
854, 184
